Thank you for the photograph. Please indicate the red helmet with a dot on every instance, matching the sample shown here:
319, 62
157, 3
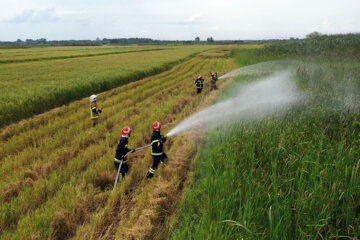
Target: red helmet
200, 76
126, 131
156, 126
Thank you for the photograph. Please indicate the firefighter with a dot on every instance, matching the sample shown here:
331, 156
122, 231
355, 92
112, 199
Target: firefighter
157, 151
121, 150
199, 84
95, 111
214, 78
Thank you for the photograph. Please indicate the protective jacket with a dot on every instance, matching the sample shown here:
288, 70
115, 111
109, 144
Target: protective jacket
94, 110
157, 144
214, 78
122, 149
199, 82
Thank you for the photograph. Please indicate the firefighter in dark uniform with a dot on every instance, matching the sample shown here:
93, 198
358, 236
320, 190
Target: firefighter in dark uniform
199, 82
95, 111
157, 151
121, 150
214, 78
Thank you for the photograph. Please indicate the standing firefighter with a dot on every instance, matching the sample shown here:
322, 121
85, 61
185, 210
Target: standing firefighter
95, 111
214, 78
199, 84
121, 150
157, 151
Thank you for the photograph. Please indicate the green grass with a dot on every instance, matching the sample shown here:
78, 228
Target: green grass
292, 176
48, 53
34, 87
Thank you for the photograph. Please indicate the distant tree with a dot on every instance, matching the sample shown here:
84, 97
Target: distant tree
41, 40
210, 39
98, 39
313, 35
197, 39
19, 40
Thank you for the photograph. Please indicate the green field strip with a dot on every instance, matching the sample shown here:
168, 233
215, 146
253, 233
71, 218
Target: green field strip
8, 61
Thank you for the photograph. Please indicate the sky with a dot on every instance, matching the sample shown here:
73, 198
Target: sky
176, 20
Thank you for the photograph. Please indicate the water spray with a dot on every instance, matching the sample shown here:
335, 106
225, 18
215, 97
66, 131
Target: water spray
255, 100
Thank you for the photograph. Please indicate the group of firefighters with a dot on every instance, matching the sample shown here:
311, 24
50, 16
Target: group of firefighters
157, 140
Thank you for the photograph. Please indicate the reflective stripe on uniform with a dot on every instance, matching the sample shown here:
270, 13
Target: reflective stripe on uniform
151, 170
158, 141
120, 161
157, 154
92, 113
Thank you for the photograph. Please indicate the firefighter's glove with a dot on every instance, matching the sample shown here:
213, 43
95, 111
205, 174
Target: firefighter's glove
163, 139
132, 150
99, 110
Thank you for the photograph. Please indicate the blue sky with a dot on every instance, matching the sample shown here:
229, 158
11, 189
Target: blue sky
175, 20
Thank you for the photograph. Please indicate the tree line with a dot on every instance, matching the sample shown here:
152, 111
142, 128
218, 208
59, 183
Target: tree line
120, 41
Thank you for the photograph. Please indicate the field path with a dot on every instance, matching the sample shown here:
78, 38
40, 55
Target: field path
57, 171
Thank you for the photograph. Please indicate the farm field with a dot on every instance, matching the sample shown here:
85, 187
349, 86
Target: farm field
30, 88
57, 171
48, 53
290, 175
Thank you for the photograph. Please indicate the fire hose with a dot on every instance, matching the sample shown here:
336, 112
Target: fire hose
118, 172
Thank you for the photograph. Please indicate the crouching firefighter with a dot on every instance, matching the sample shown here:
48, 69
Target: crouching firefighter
157, 151
95, 111
199, 82
121, 151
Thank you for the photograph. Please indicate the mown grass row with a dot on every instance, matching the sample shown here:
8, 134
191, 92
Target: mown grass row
132, 196
37, 143
17, 137
292, 176
94, 171
81, 141
157, 202
47, 186
36, 87
58, 155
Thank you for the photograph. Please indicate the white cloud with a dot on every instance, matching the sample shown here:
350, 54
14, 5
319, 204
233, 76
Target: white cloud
34, 16
19, 18
46, 15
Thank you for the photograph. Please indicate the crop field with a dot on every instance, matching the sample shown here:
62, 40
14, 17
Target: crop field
293, 174
30, 88
49, 53
57, 171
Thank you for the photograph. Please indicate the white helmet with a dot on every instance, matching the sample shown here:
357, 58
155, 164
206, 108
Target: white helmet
92, 98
